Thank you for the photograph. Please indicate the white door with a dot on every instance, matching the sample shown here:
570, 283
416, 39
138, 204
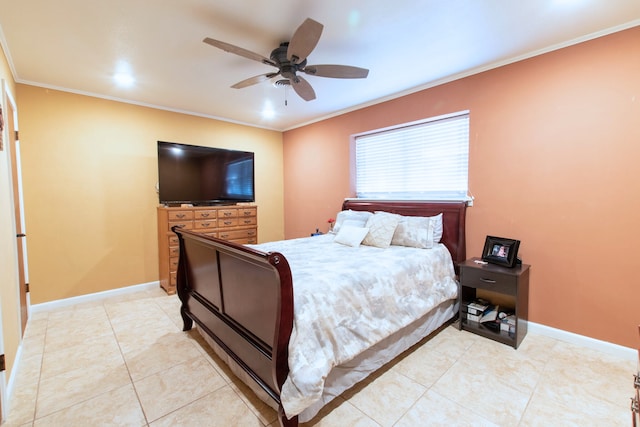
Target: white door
13, 296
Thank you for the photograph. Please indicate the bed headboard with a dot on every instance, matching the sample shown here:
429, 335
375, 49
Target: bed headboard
453, 218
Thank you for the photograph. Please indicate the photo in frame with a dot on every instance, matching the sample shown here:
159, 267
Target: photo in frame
501, 251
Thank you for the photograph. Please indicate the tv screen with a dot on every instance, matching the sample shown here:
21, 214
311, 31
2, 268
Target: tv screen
204, 175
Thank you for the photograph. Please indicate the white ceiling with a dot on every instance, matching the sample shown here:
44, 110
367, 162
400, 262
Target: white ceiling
78, 46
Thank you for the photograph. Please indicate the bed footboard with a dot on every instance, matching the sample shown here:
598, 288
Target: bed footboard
243, 299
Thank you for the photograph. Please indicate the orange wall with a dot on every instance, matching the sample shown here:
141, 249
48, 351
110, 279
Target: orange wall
554, 142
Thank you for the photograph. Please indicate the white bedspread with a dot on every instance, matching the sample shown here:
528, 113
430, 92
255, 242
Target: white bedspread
347, 299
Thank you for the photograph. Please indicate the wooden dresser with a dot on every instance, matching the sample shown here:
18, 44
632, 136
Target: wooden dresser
238, 224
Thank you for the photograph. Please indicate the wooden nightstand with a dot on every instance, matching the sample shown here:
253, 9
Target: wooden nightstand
510, 284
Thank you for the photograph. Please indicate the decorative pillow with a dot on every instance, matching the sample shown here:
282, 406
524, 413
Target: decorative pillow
350, 235
381, 227
414, 232
359, 216
437, 227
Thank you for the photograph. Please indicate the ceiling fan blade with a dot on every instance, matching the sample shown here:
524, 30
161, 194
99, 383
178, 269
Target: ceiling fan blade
303, 88
254, 80
304, 40
336, 71
238, 51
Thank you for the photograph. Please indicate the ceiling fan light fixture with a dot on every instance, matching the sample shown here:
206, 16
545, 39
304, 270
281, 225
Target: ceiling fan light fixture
282, 83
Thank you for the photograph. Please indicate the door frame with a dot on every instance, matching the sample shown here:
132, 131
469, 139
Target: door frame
11, 143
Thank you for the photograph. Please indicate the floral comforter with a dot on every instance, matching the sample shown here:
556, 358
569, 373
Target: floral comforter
347, 299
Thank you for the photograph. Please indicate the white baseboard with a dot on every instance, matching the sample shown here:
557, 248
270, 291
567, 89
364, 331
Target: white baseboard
584, 341
67, 302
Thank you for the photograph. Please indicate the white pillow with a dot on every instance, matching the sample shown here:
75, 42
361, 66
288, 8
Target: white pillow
381, 227
437, 227
414, 232
359, 216
350, 235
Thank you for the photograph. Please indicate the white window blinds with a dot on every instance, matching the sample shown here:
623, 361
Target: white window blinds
428, 160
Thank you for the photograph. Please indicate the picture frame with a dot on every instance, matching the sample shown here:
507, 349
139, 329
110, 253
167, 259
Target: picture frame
501, 251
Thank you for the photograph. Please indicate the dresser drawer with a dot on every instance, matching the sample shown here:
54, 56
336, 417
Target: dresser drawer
227, 222
208, 214
237, 234
173, 263
247, 212
173, 240
180, 215
228, 213
204, 224
187, 225
174, 251
489, 280
250, 220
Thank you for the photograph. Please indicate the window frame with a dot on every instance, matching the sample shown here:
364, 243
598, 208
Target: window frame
425, 124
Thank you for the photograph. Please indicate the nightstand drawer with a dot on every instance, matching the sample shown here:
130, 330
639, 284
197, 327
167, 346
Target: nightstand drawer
491, 280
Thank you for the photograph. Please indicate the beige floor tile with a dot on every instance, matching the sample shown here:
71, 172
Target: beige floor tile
33, 345
434, 410
537, 347
569, 405
69, 318
505, 365
36, 326
424, 365
137, 337
28, 370
72, 387
159, 355
127, 314
115, 408
265, 413
607, 377
76, 333
340, 413
221, 408
452, 342
479, 391
92, 351
89, 354
22, 407
386, 398
173, 388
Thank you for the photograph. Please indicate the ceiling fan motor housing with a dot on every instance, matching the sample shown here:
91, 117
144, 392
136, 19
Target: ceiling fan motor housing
287, 68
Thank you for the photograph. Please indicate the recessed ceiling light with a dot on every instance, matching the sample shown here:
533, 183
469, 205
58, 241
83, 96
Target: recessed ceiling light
124, 79
268, 112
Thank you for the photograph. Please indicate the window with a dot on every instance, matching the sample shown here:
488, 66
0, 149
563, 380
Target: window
239, 178
425, 160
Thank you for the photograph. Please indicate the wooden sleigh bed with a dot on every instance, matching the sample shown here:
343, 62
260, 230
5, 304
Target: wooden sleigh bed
242, 300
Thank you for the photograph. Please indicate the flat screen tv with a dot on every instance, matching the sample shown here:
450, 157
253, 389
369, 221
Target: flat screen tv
201, 176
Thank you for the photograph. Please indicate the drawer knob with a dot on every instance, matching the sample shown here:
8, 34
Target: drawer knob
204, 215
206, 224
224, 236
487, 280
227, 223
227, 214
180, 215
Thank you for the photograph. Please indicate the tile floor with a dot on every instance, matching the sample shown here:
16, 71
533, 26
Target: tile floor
125, 362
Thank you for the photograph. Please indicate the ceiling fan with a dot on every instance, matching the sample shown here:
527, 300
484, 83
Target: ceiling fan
290, 58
